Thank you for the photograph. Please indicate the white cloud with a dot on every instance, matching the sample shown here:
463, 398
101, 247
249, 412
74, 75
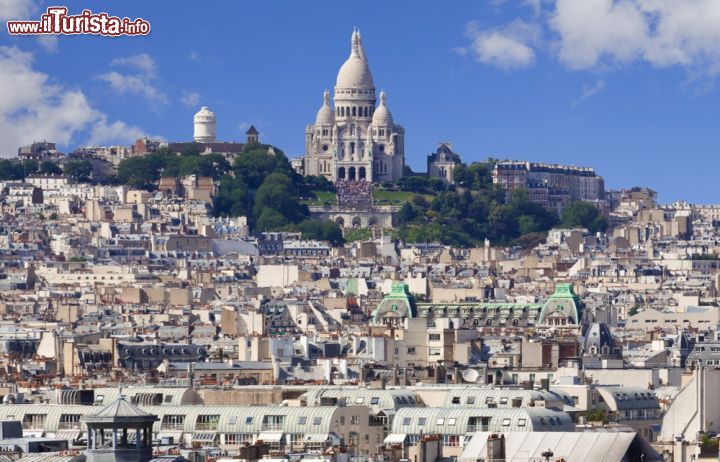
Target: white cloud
591, 30
141, 82
660, 32
48, 42
506, 47
117, 132
591, 34
40, 109
16, 9
195, 56
589, 90
142, 62
190, 98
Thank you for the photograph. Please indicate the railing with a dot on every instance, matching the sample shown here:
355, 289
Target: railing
172, 426
206, 426
478, 428
271, 427
33, 425
69, 426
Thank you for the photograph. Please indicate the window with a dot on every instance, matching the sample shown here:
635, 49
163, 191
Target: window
506, 422
359, 400
489, 400
238, 438
406, 421
456, 400
374, 400
521, 422
354, 420
451, 421
433, 337
232, 420
67, 421
248, 420
33, 421
421, 421
503, 400
471, 400
440, 421
172, 422
207, 422
302, 420
317, 420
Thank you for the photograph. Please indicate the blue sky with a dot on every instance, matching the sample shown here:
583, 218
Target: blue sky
628, 87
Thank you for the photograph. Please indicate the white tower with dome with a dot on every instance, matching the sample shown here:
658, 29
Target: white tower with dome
353, 139
204, 126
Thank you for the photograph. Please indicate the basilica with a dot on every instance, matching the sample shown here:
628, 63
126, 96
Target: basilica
353, 138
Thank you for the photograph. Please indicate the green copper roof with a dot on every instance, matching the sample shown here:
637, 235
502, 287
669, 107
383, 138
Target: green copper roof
398, 303
563, 303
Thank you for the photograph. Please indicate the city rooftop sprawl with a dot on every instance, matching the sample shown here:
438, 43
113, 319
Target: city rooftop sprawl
205, 300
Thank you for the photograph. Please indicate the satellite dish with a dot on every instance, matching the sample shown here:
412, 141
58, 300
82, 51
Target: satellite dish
470, 375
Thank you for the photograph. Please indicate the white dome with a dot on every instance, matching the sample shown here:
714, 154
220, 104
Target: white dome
355, 72
205, 113
325, 115
382, 115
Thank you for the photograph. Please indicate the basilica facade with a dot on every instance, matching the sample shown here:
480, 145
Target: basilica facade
354, 138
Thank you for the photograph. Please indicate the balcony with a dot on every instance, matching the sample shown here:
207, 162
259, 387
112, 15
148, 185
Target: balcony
69, 426
172, 426
272, 427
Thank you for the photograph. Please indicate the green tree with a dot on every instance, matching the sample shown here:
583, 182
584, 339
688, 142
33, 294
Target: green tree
270, 220
323, 230
48, 167
278, 193
11, 170
233, 198
580, 214
79, 170
254, 164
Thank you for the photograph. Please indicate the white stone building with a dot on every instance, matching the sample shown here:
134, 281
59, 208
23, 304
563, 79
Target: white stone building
352, 139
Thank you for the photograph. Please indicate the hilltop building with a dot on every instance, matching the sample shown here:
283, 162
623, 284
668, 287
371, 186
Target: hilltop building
353, 138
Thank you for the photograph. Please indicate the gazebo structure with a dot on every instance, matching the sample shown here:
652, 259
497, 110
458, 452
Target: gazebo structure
119, 432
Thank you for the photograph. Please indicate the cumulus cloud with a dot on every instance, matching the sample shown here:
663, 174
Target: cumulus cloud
660, 32
140, 80
16, 9
41, 109
506, 47
48, 43
190, 98
592, 34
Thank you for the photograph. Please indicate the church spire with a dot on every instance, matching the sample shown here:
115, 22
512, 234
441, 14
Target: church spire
355, 41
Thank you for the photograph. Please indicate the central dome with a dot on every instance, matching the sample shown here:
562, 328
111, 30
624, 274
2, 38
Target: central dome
355, 72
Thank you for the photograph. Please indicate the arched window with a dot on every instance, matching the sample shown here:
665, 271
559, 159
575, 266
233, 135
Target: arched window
341, 173
352, 129
361, 174
352, 148
365, 111
342, 112
354, 111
